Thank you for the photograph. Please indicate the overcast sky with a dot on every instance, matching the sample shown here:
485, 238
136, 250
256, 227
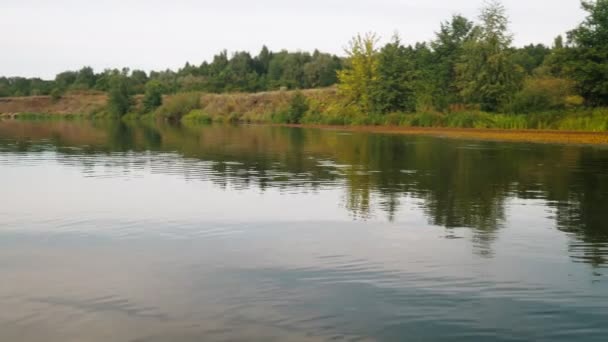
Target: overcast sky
43, 37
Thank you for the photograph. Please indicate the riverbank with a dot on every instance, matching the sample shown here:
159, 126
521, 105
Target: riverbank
582, 126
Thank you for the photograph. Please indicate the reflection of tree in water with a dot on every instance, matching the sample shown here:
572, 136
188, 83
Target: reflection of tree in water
459, 183
583, 212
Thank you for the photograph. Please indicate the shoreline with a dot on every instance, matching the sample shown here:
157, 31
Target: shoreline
485, 134
567, 137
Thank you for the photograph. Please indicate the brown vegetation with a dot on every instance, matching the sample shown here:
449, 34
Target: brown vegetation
536, 136
75, 103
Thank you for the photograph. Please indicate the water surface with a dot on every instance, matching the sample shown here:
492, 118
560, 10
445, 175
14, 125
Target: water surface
114, 232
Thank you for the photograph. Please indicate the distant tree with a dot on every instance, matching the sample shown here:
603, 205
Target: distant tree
85, 79
587, 59
153, 97
321, 71
276, 66
530, 57
138, 80
262, 61
558, 42
21, 86
292, 75
358, 77
4, 87
487, 74
393, 90
65, 79
120, 99
240, 73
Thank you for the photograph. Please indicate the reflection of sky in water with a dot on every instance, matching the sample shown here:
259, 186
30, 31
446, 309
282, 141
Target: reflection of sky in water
154, 246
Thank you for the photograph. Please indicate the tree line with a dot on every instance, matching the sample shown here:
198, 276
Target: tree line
239, 72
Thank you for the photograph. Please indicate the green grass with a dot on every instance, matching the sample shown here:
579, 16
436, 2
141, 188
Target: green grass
197, 116
49, 117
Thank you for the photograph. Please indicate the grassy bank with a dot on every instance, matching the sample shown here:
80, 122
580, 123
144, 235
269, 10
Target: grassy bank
315, 107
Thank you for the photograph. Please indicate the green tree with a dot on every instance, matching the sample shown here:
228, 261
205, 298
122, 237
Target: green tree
358, 77
120, 99
297, 108
65, 79
138, 81
85, 79
321, 71
394, 87
440, 69
486, 74
530, 57
262, 60
153, 97
587, 58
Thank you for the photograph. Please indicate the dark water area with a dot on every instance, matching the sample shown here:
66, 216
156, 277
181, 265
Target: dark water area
142, 233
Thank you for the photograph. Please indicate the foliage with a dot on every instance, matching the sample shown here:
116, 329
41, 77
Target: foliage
440, 65
297, 108
153, 97
197, 116
531, 57
179, 105
545, 93
394, 86
360, 74
486, 73
56, 94
120, 99
586, 59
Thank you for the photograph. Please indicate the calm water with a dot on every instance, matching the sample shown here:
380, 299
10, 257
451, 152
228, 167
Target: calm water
140, 233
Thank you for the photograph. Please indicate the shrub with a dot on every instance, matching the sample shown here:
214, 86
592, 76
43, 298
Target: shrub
120, 99
297, 108
545, 93
153, 97
279, 117
179, 105
56, 94
197, 116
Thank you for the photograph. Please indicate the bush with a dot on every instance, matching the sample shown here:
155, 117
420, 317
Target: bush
545, 93
179, 105
120, 99
279, 117
297, 108
56, 94
197, 116
153, 97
